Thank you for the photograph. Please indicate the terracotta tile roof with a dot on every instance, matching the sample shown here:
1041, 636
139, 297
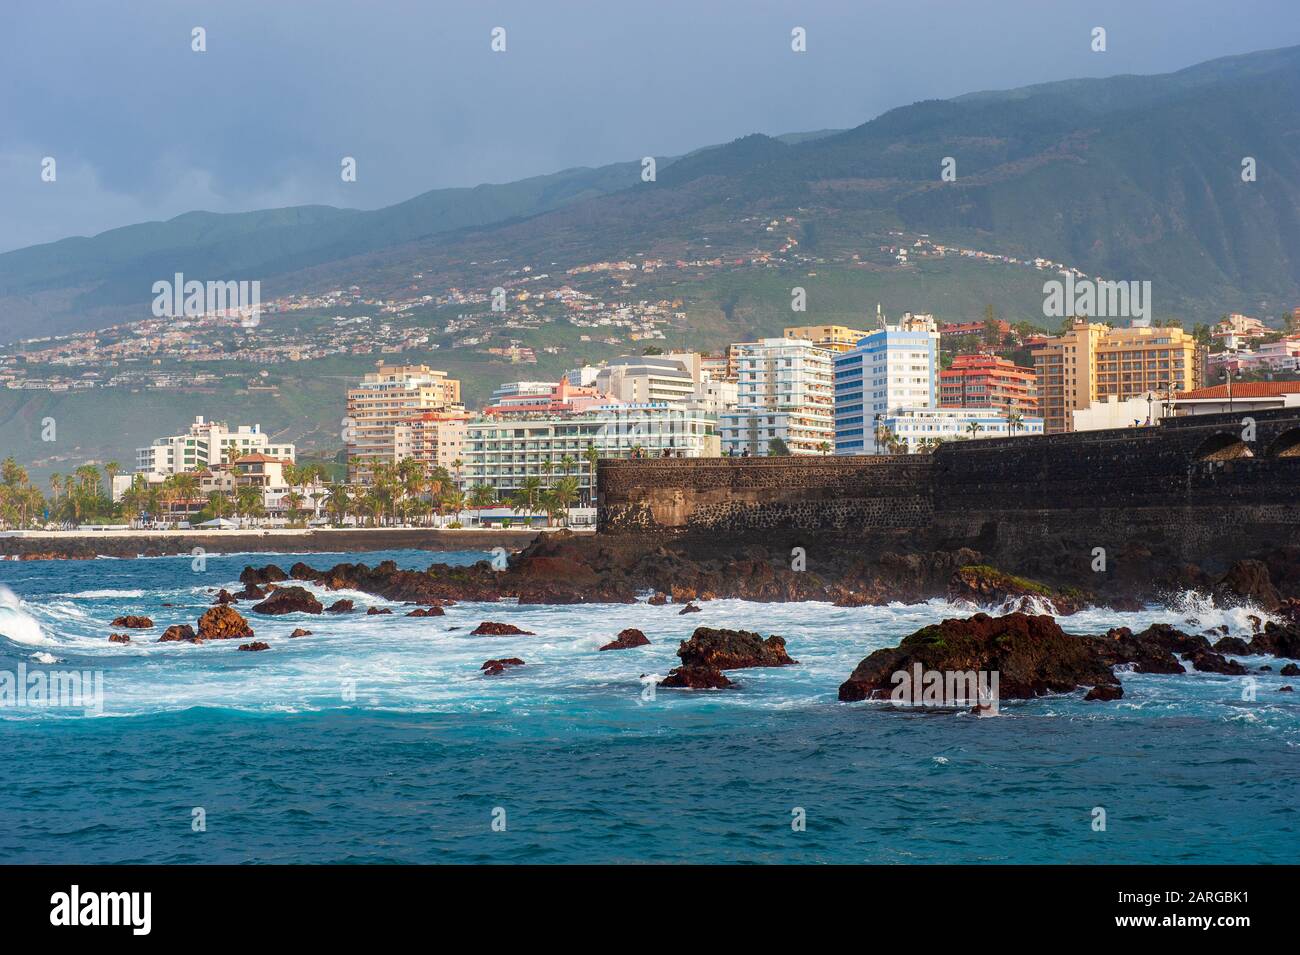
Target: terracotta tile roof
1246, 389
258, 459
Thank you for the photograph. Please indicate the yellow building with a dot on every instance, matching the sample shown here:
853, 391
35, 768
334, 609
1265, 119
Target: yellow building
1092, 362
836, 338
383, 407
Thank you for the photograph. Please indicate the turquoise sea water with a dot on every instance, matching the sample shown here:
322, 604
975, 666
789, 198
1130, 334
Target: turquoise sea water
377, 739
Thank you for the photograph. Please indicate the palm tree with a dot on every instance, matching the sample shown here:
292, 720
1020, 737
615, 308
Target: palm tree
974, 428
525, 499
560, 498
453, 499
248, 502
1015, 421
547, 467
293, 504
481, 496
338, 502
567, 464
218, 503
824, 447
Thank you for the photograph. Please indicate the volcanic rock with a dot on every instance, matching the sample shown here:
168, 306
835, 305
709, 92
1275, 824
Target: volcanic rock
696, 678
300, 632
434, 611
1234, 645
377, 611
270, 574
1143, 653
1207, 661
1247, 581
118, 638
988, 586
1104, 692
255, 645
626, 640
289, 600
658, 600
342, 605
490, 629
493, 667
179, 631
689, 608
1278, 640
223, 623
1290, 670
1031, 655
224, 596
132, 622
732, 650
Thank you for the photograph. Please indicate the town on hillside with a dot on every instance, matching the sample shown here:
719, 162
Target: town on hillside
413, 454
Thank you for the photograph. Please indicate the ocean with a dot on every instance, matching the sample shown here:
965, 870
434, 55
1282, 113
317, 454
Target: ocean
377, 739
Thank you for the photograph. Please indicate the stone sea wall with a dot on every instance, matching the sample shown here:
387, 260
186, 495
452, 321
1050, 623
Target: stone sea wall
1187, 485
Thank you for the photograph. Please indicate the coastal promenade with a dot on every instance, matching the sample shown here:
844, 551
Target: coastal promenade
35, 545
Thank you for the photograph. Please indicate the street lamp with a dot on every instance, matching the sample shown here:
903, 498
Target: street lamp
1151, 397
877, 418
1227, 376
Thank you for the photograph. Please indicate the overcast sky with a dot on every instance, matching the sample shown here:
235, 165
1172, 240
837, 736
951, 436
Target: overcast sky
142, 127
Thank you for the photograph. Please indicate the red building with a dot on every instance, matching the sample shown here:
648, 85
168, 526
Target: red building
987, 381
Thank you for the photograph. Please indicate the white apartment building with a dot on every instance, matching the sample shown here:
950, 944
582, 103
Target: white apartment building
893, 367
784, 390
646, 379
502, 453
205, 444
915, 425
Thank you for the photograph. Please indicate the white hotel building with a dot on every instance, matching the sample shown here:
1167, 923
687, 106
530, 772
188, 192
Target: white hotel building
915, 425
502, 452
207, 443
784, 391
893, 367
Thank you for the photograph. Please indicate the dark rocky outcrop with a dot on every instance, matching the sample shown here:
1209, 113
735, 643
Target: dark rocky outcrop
250, 592
1207, 661
300, 632
179, 631
289, 600
988, 586
224, 596
626, 640
733, 650
489, 628
1104, 692
1290, 670
118, 638
223, 623
377, 611
434, 611
696, 678
132, 622
689, 608
255, 645
1278, 640
1247, 581
270, 574
1234, 645
1031, 655
1119, 647
493, 667
342, 605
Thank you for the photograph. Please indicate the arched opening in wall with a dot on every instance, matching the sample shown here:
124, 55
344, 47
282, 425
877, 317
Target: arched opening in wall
1223, 447
1287, 445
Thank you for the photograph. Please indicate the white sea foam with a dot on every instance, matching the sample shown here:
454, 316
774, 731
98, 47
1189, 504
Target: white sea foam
16, 623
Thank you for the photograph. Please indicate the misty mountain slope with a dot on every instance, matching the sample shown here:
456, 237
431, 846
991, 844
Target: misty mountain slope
1131, 177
